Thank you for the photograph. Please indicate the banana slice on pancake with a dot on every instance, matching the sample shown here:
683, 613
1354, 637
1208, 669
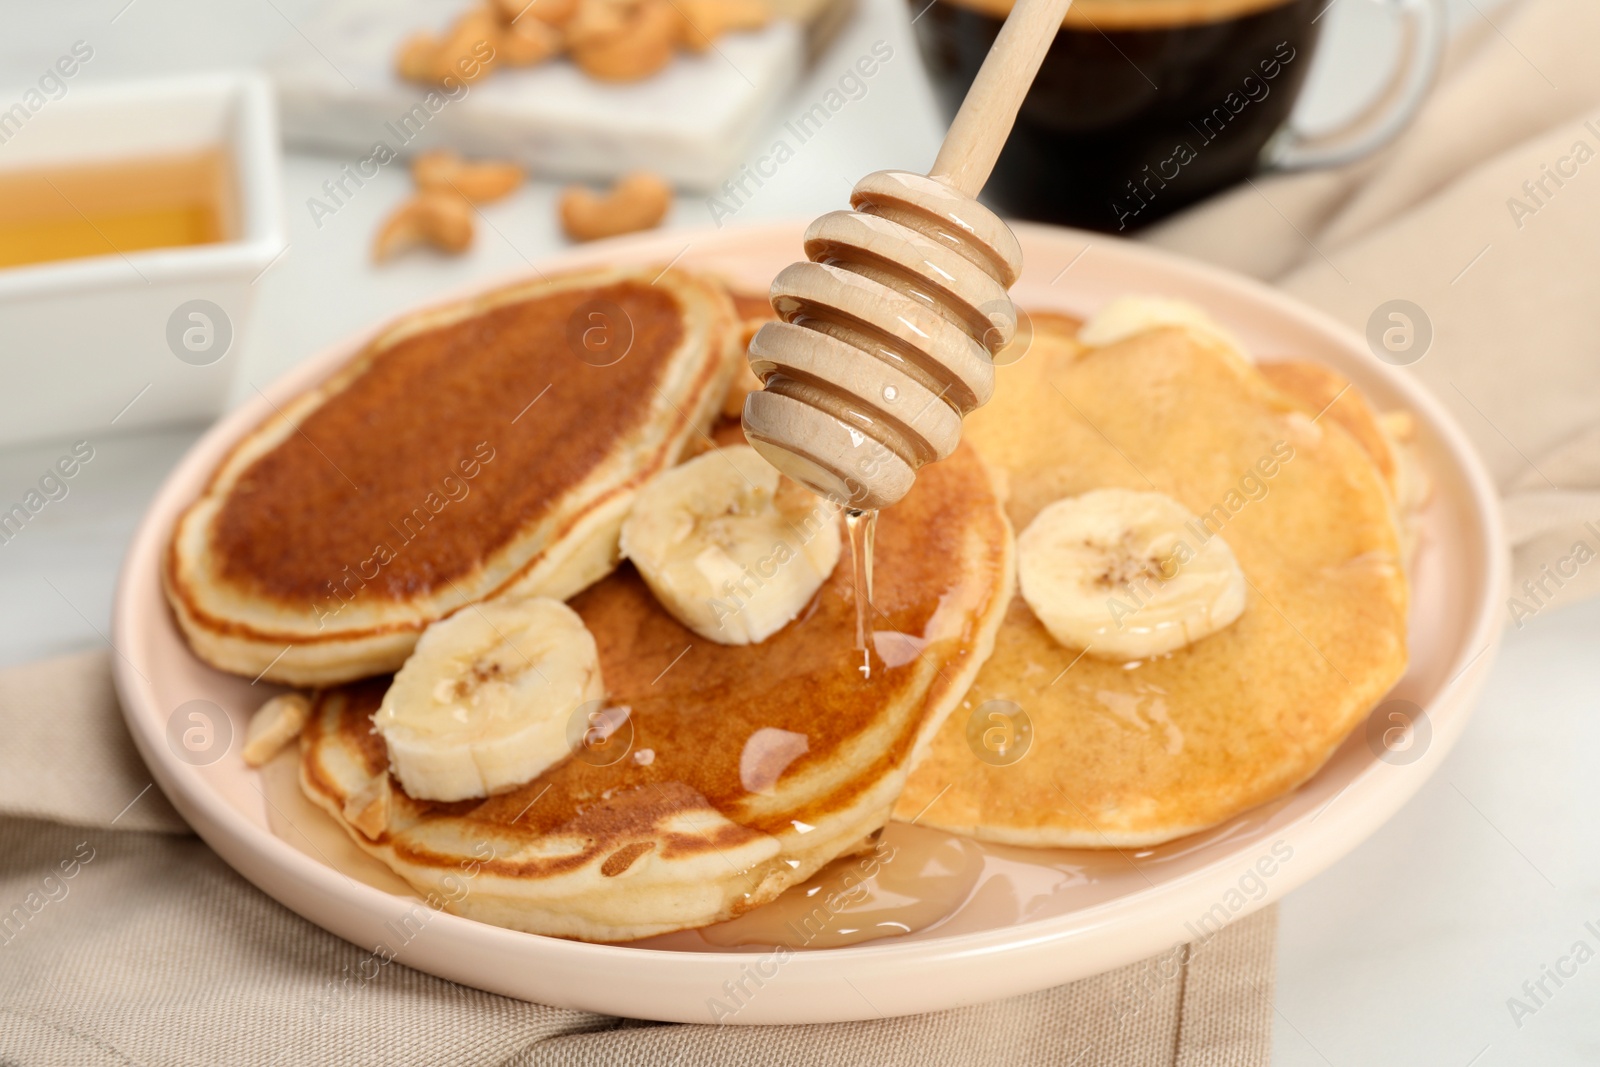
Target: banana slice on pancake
1130, 315
1125, 575
483, 703
729, 548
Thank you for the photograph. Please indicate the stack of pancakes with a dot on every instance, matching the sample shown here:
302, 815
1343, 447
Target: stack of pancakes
418, 479
487, 448
491, 449
748, 768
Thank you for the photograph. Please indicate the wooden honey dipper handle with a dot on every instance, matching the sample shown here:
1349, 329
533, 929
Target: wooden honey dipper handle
981, 127
888, 331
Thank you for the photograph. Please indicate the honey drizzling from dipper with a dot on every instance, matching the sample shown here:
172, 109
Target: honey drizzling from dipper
862, 526
887, 333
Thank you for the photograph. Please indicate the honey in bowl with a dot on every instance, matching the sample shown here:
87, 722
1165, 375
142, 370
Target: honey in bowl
108, 207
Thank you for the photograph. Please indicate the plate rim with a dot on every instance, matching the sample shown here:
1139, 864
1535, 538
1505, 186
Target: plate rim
657, 977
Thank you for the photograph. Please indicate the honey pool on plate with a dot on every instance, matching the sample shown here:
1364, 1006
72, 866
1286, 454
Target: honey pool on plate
912, 882
106, 207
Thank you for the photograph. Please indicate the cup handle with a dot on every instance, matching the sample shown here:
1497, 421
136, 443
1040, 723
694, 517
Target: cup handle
1423, 24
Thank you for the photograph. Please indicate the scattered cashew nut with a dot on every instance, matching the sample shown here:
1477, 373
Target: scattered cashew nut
529, 41
275, 724
610, 40
706, 20
550, 12
638, 201
443, 220
624, 40
444, 171
417, 54
597, 21
467, 50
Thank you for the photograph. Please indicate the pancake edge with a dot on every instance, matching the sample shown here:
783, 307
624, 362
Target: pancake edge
581, 553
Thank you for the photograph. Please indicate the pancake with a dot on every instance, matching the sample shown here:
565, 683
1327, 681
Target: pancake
1388, 438
750, 766
1126, 755
752, 307
1323, 390
755, 311
487, 447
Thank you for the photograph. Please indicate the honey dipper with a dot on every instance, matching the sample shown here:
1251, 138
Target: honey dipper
888, 332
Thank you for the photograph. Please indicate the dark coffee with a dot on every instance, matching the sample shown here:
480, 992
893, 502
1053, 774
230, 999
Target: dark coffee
1142, 107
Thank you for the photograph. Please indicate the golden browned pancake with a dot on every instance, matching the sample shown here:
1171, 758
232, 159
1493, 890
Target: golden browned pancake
1323, 391
752, 307
488, 447
755, 310
1388, 438
750, 766
1127, 755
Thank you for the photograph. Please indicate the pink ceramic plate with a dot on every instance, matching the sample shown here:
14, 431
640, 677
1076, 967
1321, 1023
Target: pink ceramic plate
1028, 925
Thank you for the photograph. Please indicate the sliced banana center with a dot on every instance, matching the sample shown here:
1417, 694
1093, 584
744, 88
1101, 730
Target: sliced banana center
1124, 575
730, 549
482, 704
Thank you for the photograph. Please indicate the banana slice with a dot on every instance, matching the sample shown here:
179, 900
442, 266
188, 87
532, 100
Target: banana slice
732, 550
1130, 315
482, 704
1125, 575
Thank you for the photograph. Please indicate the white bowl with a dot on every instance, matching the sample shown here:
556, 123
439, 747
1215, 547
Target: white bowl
85, 341
1118, 908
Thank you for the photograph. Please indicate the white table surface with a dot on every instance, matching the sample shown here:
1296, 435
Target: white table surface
1406, 952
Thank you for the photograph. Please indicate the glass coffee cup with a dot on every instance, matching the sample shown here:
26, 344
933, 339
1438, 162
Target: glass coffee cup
1143, 107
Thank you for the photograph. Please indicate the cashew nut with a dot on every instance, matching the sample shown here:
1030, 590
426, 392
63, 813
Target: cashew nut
706, 20
529, 41
551, 12
444, 171
443, 220
467, 51
638, 201
623, 40
274, 725
610, 40
596, 21
417, 54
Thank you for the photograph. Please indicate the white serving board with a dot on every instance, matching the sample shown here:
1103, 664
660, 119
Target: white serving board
693, 123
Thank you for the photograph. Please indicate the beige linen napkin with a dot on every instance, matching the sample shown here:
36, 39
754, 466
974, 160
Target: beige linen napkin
1486, 216
124, 940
